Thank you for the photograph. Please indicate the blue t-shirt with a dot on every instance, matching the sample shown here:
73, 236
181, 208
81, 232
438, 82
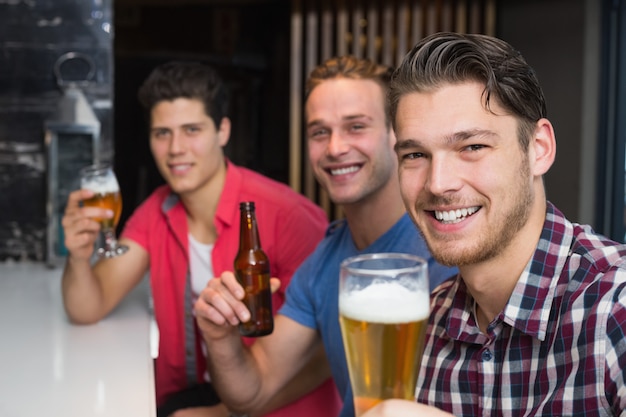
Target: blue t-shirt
312, 296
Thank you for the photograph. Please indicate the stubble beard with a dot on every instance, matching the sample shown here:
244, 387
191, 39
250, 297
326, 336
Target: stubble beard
495, 238
360, 192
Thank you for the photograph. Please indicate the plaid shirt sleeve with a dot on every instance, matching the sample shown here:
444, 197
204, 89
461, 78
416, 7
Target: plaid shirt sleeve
614, 365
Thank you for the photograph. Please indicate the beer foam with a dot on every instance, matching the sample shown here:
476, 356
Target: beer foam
385, 303
101, 185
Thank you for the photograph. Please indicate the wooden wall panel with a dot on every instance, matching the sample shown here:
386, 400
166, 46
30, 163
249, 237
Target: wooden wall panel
382, 30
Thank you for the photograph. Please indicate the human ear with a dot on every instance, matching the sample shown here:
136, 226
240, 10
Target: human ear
542, 147
223, 131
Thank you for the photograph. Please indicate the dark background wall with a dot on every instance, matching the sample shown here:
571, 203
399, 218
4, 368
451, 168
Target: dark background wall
551, 36
33, 35
248, 41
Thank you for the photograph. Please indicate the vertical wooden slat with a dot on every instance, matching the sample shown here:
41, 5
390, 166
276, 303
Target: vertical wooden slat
474, 17
342, 27
357, 29
387, 35
311, 59
295, 98
312, 37
372, 30
417, 25
326, 34
430, 12
490, 18
461, 16
327, 31
403, 14
447, 16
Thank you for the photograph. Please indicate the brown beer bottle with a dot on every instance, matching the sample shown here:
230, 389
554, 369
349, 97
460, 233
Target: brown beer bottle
252, 269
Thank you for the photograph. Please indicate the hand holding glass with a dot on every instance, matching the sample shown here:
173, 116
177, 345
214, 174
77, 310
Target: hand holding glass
384, 303
102, 181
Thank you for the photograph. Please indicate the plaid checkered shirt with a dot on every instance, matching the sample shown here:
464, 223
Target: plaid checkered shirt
557, 348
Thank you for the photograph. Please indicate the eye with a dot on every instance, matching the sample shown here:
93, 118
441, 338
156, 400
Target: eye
192, 129
412, 155
357, 127
475, 147
160, 133
318, 133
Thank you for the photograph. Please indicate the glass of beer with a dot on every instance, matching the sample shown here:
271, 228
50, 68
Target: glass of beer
384, 303
101, 179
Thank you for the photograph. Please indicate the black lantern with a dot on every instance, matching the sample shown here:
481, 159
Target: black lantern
72, 140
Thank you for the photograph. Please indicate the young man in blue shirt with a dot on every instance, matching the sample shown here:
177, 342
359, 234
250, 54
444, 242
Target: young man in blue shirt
350, 148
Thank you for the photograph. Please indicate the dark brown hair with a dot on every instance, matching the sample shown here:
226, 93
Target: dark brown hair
352, 68
191, 80
448, 57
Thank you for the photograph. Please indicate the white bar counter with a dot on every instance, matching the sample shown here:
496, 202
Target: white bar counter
50, 367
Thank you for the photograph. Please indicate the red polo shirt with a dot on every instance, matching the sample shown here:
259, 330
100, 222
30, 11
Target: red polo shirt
290, 226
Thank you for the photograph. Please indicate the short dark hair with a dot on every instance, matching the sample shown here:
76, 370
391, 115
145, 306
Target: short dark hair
186, 79
448, 57
353, 68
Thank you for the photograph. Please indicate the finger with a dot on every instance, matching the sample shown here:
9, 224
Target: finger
207, 313
76, 196
96, 212
274, 284
219, 299
75, 208
80, 240
404, 408
74, 211
77, 223
229, 280
80, 234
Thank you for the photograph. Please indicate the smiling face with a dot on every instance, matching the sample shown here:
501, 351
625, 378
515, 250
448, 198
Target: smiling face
465, 180
349, 142
186, 145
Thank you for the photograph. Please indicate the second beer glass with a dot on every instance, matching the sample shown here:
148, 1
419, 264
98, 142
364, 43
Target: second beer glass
384, 303
102, 181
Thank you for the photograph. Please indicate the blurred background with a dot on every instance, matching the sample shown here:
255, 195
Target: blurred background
70, 70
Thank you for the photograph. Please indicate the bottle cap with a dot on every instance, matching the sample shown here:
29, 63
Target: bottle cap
245, 205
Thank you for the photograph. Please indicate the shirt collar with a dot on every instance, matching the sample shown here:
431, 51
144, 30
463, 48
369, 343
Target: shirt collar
227, 212
175, 216
528, 308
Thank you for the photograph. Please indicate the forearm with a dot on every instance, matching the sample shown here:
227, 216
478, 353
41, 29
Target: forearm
235, 374
248, 378
82, 293
248, 385
311, 376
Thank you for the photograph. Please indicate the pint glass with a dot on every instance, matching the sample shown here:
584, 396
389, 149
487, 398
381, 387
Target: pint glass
102, 181
384, 303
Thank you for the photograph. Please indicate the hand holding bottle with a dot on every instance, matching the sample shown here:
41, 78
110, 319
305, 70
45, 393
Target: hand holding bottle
220, 309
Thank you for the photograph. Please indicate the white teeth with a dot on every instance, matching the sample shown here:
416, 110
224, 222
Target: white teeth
342, 171
455, 216
180, 167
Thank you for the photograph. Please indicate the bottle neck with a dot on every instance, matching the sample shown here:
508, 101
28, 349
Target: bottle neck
249, 234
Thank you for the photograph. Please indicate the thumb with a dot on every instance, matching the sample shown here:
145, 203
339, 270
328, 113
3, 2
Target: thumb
274, 284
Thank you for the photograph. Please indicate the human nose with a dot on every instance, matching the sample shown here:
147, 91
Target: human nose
443, 176
177, 143
337, 145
